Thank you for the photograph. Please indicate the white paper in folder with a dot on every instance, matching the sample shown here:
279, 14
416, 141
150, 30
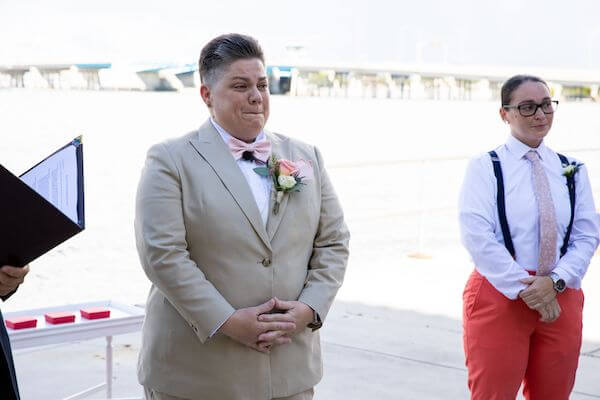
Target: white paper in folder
55, 179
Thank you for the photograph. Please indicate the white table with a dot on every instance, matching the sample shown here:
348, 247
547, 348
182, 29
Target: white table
123, 319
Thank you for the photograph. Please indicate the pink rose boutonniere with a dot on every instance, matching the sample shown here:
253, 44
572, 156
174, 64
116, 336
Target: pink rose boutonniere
288, 176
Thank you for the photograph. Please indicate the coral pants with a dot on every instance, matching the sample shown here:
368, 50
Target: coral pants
506, 344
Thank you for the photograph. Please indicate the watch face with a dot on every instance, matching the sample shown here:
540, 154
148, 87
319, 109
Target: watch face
560, 285
314, 325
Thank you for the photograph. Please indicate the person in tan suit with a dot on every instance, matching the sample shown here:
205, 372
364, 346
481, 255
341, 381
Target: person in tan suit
243, 238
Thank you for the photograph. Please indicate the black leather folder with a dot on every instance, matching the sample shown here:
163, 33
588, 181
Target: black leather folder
30, 225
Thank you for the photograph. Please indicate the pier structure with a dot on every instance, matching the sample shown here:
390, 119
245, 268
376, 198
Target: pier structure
380, 81
52, 76
427, 82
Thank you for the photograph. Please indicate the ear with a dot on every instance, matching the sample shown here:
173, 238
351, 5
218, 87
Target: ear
206, 95
503, 115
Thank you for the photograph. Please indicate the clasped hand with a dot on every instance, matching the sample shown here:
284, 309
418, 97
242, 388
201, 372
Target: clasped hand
541, 296
271, 323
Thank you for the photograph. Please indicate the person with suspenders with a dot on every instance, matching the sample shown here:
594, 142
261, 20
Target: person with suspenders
528, 220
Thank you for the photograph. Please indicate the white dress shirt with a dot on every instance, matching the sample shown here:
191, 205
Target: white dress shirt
259, 185
480, 228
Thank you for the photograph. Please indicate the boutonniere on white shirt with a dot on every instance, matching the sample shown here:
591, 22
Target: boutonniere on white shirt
288, 176
570, 170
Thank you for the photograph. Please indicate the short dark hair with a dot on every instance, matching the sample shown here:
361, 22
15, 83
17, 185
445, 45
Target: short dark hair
224, 50
513, 84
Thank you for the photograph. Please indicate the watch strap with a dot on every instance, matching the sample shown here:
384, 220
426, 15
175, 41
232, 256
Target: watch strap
316, 323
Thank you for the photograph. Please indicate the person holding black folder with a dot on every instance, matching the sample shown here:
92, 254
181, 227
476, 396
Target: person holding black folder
10, 279
42, 208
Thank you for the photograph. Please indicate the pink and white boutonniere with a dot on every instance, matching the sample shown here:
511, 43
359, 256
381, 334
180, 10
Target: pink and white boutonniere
288, 176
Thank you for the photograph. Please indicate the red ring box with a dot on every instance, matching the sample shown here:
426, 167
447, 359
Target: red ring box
60, 317
21, 322
95, 313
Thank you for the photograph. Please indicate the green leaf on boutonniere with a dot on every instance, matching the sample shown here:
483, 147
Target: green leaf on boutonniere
262, 171
297, 187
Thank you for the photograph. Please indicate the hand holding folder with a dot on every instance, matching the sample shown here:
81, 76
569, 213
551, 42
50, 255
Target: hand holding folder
10, 279
43, 207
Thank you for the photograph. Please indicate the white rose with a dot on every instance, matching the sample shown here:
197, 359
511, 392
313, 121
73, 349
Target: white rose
568, 170
286, 181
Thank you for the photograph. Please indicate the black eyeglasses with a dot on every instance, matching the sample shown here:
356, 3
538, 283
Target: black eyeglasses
529, 109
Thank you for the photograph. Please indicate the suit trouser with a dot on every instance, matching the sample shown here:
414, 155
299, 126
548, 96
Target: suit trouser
154, 395
506, 344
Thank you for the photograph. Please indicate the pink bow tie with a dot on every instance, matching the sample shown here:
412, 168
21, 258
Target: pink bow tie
261, 150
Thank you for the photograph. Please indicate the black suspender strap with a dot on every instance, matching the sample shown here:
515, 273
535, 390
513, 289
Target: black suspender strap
571, 186
501, 206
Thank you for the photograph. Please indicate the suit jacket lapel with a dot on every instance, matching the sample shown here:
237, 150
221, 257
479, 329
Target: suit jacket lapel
280, 150
209, 144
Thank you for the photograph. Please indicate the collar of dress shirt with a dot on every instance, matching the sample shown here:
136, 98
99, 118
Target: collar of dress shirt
226, 135
518, 149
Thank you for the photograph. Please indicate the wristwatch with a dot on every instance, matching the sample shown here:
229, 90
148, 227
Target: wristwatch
559, 284
316, 322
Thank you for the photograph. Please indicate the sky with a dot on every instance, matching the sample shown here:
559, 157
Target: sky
551, 34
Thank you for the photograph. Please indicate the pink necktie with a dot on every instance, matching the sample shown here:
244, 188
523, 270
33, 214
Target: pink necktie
261, 150
546, 213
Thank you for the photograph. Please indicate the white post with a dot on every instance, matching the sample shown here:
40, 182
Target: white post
417, 90
109, 367
422, 210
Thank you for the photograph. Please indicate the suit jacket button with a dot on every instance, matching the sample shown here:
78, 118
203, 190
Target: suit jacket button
266, 262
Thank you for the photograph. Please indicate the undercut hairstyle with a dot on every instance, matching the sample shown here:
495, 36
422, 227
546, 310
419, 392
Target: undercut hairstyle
224, 50
513, 84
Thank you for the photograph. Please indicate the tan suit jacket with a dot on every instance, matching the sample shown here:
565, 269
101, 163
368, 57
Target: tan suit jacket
203, 244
